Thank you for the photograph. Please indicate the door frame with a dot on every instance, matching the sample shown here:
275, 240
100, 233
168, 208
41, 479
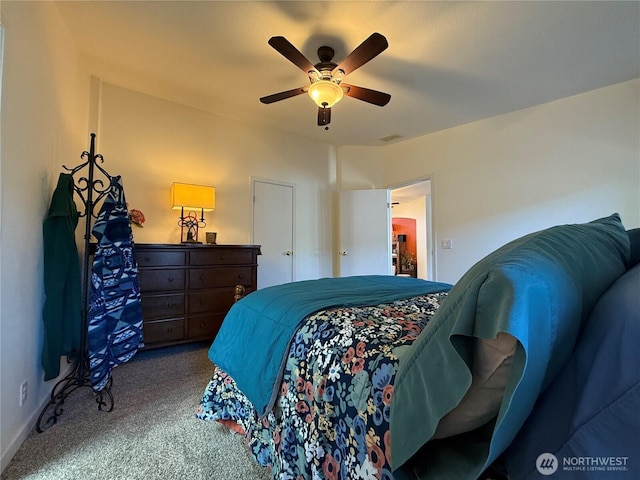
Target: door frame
293, 215
429, 222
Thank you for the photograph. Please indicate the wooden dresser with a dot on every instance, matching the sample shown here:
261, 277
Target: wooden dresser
188, 289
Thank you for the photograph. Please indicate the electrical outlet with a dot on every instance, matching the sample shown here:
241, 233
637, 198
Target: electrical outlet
446, 244
23, 392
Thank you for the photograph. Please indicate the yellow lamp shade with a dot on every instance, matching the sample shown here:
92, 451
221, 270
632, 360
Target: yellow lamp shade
325, 93
192, 197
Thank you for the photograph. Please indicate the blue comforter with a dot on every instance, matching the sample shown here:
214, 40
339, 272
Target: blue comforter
252, 343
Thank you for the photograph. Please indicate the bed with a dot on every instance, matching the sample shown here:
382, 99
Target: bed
394, 378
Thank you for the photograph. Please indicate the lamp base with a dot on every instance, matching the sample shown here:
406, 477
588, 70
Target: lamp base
189, 227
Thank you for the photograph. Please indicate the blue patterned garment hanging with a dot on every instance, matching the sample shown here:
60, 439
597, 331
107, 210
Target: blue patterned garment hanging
115, 313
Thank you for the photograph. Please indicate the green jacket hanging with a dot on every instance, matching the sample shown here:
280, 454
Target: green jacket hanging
62, 283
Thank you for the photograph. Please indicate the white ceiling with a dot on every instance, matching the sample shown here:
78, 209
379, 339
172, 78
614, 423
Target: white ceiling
411, 192
448, 63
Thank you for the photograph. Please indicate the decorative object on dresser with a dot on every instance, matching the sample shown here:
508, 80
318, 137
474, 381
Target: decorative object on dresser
187, 289
192, 198
211, 237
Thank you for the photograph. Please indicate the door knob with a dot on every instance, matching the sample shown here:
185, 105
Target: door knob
343, 252
288, 253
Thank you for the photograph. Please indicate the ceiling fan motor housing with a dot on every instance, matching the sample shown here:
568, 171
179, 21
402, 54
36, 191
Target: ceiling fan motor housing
325, 67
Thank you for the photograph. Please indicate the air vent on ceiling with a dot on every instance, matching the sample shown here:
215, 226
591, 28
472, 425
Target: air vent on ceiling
391, 138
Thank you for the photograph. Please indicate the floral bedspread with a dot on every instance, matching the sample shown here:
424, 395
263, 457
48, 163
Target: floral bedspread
331, 420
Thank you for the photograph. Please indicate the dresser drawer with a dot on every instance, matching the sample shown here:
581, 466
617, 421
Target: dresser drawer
166, 279
157, 258
219, 277
204, 326
169, 330
158, 306
219, 300
221, 257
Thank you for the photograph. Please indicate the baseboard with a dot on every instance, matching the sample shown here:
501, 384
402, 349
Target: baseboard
15, 443
21, 436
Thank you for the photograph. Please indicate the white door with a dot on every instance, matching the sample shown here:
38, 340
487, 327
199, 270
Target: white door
273, 230
365, 232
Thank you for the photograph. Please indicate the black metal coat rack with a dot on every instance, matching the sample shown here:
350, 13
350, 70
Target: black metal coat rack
91, 189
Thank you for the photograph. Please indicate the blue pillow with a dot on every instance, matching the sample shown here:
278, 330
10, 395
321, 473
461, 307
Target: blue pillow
590, 411
539, 289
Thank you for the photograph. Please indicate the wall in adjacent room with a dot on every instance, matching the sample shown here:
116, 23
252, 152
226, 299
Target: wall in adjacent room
417, 209
569, 161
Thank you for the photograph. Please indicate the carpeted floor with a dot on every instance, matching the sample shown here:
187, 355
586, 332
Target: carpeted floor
152, 432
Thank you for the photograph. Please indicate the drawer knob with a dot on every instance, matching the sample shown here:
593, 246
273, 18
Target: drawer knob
169, 329
203, 278
201, 325
203, 301
171, 279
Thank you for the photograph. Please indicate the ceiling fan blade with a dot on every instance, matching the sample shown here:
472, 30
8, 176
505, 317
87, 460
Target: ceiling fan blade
324, 116
276, 97
370, 48
366, 95
291, 53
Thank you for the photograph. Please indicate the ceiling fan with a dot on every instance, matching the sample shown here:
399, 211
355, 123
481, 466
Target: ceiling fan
326, 87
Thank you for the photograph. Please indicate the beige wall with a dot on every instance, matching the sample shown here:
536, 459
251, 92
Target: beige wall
572, 160
153, 142
44, 117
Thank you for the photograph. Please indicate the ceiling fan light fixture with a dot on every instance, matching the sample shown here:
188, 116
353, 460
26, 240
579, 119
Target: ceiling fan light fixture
325, 93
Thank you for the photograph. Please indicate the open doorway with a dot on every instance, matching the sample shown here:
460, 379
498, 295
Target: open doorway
413, 233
